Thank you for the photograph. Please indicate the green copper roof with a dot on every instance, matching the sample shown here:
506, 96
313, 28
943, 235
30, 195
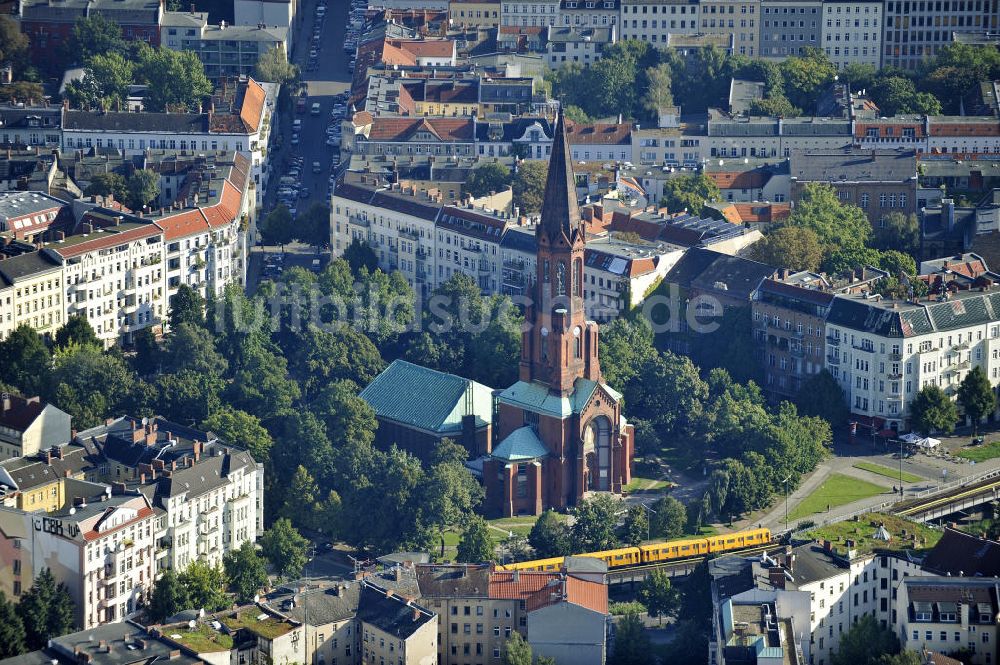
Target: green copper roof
520, 445
427, 399
536, 397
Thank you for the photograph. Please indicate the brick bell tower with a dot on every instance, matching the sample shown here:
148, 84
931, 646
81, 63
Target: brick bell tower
560, 345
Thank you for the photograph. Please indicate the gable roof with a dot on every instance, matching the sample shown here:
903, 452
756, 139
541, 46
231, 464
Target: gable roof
961, 552
709, 270
390, 613
252, 110
424, 398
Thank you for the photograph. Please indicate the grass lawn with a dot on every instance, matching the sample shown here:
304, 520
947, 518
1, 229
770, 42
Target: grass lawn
906, 535
981, 453
202, 638
887, 472
519, 525
836, 490
646, 485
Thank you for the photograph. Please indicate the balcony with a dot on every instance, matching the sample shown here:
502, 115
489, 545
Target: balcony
833, 341
896, 357
895, 377
832, 359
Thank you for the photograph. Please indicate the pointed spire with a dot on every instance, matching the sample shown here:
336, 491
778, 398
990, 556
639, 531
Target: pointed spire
560, 212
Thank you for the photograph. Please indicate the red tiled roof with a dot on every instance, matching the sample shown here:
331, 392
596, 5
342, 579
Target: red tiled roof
399, 129
752, 179
140, 514
759, 212
394, 55
438, 48
252, 111
105, 240
592, 595
22, 412
186, 223
965, 129
541, 589
518, 585
598, 133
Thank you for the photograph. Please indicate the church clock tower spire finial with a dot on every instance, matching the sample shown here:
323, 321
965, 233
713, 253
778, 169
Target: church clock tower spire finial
560, 211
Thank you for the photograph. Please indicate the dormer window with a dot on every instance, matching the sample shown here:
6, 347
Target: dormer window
923, 612
948, 612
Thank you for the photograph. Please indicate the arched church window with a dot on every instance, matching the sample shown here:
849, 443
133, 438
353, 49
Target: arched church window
561, 279
577, 343
578, 278
545, 271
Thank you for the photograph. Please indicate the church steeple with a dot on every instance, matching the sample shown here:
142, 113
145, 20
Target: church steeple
560, 345
560, 211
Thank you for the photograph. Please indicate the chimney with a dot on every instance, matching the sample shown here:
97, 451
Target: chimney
197, 447
137, 432
6, 402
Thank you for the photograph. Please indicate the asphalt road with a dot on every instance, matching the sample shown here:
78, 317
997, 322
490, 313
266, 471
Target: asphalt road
323, 83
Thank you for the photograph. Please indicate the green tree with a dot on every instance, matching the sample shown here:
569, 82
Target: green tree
636, 526
12, 633
47, 610
77, 330
94, 35
632, 645
903, 658
89, 384
976, 396
549, 536
105, 83
13, 44
659, 94
859, 76
240, 428
261, 384
168, 598
838, 226
777, 105
142, 187
528, 186
516, 650
486, 179
205, 585
932, 411
313, 226
276, 228
805, 75
899, 232
107, 184
176, 79
359, 255
659, 597
475, 544
452, 492
822, 396
626, 347
245, 571
188, 396
669, 518
792, 247
285, 548
186, 306
689, 192
594, 528
26, 360
301, 506
273, 67
192, 347
865, 642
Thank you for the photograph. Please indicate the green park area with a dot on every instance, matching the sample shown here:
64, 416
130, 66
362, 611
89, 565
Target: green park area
837, 490
646, 485
981, 453
904, 534
887, 472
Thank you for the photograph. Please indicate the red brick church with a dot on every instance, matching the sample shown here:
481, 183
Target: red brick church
560, 428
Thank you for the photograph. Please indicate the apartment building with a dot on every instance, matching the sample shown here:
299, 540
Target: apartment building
884, 351
592, 13
946, 614
207, 494
824, 590
27, 215
43, 483
29, 426
477, 13
739, 19
582, 44
851, 32
540, 13
226, 51
771, 137
31, 124
99, 544
915, 30
31, 291
238, 120
652, 20
789, 27
880, 182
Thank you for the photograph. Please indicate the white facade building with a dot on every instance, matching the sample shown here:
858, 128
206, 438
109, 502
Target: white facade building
882, 352
651, 20
538, 13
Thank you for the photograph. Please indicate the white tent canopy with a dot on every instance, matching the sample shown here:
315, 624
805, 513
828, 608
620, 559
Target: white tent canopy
911, 438
929, 443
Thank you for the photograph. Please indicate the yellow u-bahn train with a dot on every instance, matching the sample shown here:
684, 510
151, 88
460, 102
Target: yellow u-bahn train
655, 552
